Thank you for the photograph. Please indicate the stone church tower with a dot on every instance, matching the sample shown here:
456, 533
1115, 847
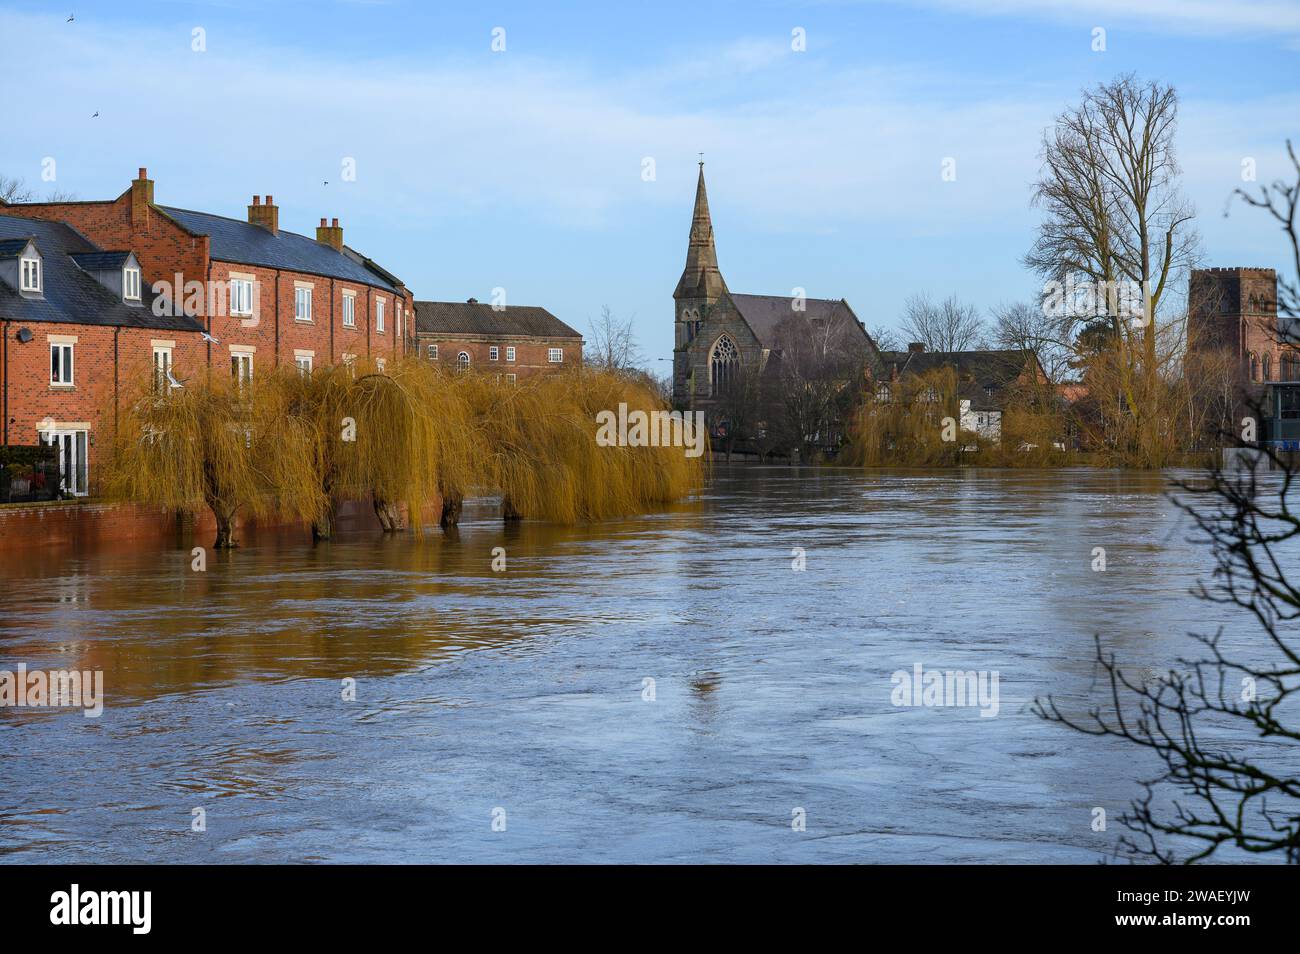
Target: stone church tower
698, 291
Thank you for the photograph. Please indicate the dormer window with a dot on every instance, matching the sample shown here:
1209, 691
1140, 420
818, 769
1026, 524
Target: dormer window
131, 284
31, 274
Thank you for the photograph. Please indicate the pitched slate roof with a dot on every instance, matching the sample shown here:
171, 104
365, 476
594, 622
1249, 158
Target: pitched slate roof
477, 318
70, 294
977, 371
100, 261
12, 248
764, 313
234, 240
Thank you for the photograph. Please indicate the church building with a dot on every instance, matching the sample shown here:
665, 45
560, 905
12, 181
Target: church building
719, 334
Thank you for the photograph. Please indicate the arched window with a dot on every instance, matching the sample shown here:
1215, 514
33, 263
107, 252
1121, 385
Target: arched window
1268, 367
1287, 367
462, 361
723, 364
883, 393
1254, 366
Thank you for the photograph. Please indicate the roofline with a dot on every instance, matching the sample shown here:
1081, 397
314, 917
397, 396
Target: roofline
481, 336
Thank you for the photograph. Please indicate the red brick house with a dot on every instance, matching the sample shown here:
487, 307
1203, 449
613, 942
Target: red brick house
77, 322
514, 341
266, 296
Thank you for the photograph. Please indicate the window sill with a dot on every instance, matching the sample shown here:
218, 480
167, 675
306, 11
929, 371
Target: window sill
303, 321
63, 387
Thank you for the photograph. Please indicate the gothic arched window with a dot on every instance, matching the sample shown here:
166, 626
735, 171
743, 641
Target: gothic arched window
1268, 367
1254, 366
724, 361
462, 361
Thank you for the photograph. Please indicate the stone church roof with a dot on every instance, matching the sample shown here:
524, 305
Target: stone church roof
764, 313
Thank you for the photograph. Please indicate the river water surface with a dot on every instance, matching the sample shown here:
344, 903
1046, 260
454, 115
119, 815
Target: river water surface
521, 697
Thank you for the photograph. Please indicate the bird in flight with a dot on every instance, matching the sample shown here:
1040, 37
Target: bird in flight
208, 337
96, 116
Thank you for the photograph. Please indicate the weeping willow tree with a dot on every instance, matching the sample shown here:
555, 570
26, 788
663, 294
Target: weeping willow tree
219, 444
541, 453
903, 423
404, 437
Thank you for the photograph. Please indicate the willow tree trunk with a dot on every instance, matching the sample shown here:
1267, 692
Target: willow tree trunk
389, 514
225, 517
323, 527
452, 503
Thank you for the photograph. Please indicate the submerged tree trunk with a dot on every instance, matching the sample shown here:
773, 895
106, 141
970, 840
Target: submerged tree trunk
389, 514
225, 517
452, 503
323, 527
508, 511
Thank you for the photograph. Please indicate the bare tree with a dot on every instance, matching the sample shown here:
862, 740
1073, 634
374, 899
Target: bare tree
817, 378
946, 326
1224, 728
1025, 327
886, 338
15, 191
612, 345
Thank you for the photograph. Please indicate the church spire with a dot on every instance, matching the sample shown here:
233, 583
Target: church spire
701, 278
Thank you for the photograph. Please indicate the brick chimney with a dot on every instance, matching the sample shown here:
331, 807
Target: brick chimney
141, 199
916, 347
267, 214
331, 235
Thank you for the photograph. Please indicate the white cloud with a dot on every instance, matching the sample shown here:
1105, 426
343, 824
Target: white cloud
1200, 17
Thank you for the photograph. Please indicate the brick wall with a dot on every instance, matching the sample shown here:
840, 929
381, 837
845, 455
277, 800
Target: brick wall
105, 360
531, 354
1236, 309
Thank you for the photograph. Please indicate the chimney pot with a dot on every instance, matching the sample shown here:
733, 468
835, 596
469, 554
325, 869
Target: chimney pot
471, 301
270, 200
334, 224
322, 221
144, 173
257, 200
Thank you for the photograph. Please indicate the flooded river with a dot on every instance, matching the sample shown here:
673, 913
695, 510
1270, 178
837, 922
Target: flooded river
510, 715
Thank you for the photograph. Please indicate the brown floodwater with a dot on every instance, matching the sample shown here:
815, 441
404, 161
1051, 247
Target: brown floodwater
522, 696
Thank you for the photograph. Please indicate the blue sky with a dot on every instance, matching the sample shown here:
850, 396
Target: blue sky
523, 169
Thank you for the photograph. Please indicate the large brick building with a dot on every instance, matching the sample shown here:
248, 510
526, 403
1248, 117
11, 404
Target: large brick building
266, 296
210, 292
77, 322
513, 341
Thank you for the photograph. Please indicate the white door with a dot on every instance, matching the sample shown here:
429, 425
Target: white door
73, 468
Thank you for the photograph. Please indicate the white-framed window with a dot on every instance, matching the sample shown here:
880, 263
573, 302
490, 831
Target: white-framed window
71, 447
241, 296
494, 353
511, 378
510, 353
162, 366
381, 364
379, 316
349, 310
301, 303
131, 284
555, 355
302, 360
433, 352
31, 274
241, 367
61, 364
462, 361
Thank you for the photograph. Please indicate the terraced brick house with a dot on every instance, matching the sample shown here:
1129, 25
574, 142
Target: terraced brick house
77, 324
